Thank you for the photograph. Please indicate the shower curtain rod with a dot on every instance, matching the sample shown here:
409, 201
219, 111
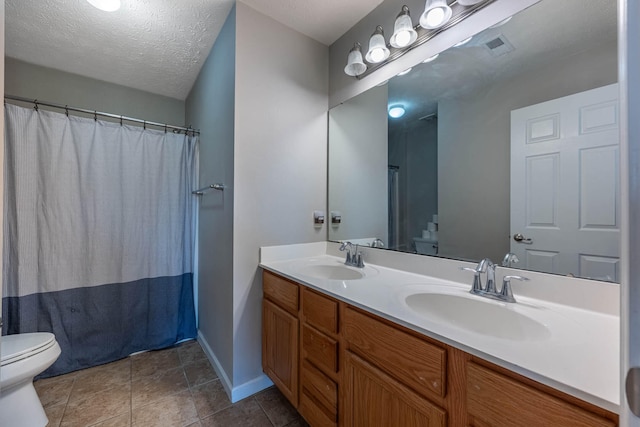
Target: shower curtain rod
95, 114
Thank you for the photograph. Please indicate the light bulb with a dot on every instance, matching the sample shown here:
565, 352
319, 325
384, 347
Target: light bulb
403, 38
377, 55
435, 17
402, 73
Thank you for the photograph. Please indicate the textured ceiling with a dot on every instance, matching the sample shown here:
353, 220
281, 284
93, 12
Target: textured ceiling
157, 46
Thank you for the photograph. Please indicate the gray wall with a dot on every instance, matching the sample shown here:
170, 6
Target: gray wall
414, 147
47, 84
358, 166
210, 107
474, 149
280, 152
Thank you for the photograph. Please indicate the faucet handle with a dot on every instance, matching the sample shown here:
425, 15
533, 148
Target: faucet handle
476, 288
506, 293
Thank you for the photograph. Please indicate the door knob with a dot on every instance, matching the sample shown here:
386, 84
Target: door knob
521, 239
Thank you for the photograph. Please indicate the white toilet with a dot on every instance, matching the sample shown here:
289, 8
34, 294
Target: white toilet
426, 246
23, 356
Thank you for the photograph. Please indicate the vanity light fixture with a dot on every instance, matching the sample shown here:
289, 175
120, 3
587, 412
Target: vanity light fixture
106, 5
396, 111
378, 51
355, 65
463, 42
403, 32
436, 14
407, 71
431, 58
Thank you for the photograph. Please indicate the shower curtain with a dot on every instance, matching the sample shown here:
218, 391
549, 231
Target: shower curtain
98, 235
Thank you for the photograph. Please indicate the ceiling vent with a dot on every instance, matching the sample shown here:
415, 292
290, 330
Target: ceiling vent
499, 46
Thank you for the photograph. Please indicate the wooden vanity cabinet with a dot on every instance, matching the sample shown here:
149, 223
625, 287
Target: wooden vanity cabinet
319, 355
280, 333
342, 366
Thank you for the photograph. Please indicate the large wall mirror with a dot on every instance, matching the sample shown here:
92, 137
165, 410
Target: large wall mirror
508, 144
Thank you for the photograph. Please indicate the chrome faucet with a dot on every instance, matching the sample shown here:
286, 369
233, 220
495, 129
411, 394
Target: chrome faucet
510, 258
490, 290
377, 243
354, 256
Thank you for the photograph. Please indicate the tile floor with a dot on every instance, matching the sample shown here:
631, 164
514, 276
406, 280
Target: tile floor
165, 388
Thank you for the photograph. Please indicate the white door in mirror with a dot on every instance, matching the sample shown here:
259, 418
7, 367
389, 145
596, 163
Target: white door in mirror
565, 191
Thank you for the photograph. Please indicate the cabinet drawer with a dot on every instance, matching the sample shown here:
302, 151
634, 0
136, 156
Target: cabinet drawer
319, 349
281, 291
415, 362
495, 399
318, 396
320, 311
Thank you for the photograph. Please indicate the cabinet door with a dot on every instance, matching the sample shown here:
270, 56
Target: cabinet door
374, 399
280, 349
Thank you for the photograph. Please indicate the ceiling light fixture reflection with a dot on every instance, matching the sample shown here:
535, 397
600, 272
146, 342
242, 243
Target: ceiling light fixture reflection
383, 83
403, 32
431, 58
436, 14
468, 2
407, 71
378, 51
106, 5
355, 65
396, 111
463, 42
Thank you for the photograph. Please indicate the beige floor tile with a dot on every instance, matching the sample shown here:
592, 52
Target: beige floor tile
100, 378
277, 407
55, 413
190, 352
210, 398
98, 407
54, 391
199, 372
176, 410
246, 413
150, 389
123, 420
154, 362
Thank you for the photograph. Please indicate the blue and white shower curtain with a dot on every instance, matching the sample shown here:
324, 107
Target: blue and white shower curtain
98, 235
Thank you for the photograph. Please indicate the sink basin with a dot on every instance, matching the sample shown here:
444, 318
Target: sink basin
479, 315
331, 272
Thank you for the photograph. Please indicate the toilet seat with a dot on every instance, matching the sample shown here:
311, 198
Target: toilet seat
20, 346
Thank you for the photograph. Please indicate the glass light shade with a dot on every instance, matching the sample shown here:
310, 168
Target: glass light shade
355, 65
403, 32
106, 5
407, 71
378, 50
431, 58
396, 111
436, 14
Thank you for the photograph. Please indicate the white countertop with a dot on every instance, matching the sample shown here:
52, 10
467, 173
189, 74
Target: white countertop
579, 355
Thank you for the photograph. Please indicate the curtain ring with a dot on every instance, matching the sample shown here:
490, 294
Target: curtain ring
95, 115
35, 104
66, 110
120, 120
144, 124
165, 128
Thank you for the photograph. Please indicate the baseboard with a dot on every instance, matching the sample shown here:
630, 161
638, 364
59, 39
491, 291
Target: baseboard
235, 393
222, 374
250, 388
